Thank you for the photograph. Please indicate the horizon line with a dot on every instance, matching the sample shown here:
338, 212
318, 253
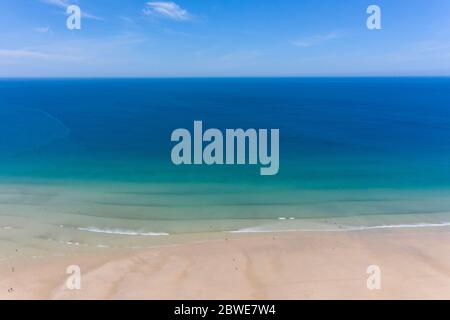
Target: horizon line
218, 77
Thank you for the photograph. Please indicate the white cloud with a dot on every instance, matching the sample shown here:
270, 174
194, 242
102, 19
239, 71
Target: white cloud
317, 39
65, 3
86, 15
58, 3
80, 50
435, 46
33, 54
42, 29
242, 55
168, 10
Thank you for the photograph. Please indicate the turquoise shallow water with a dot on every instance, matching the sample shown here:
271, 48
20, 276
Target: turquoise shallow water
94, 155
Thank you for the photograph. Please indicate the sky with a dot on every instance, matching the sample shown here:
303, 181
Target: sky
209, 38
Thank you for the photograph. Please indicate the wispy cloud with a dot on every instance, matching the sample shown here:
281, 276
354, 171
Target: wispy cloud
86, 15
65, 3
42, 29
168, 10
58, 3
435, 46
317, 39
33, 54
242, 55
91, 50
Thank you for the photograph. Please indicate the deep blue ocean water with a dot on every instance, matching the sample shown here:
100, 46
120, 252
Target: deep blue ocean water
344, 135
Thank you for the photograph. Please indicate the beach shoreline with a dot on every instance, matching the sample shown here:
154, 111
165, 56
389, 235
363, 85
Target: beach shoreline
414, 264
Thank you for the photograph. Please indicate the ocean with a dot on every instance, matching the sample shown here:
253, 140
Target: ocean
85, 157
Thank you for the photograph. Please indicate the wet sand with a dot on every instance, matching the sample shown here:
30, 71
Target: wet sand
414, 264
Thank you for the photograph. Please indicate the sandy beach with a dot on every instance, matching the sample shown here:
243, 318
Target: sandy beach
414, 264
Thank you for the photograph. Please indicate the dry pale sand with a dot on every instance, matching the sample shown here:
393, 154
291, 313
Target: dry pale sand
415, 264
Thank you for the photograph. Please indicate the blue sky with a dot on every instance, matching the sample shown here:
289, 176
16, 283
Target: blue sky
224, 38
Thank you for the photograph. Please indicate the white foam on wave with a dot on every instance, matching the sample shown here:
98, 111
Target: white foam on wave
125, 232
263, 229
399, 226
269, 229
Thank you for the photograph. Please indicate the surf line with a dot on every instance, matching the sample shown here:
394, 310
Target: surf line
212, 147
